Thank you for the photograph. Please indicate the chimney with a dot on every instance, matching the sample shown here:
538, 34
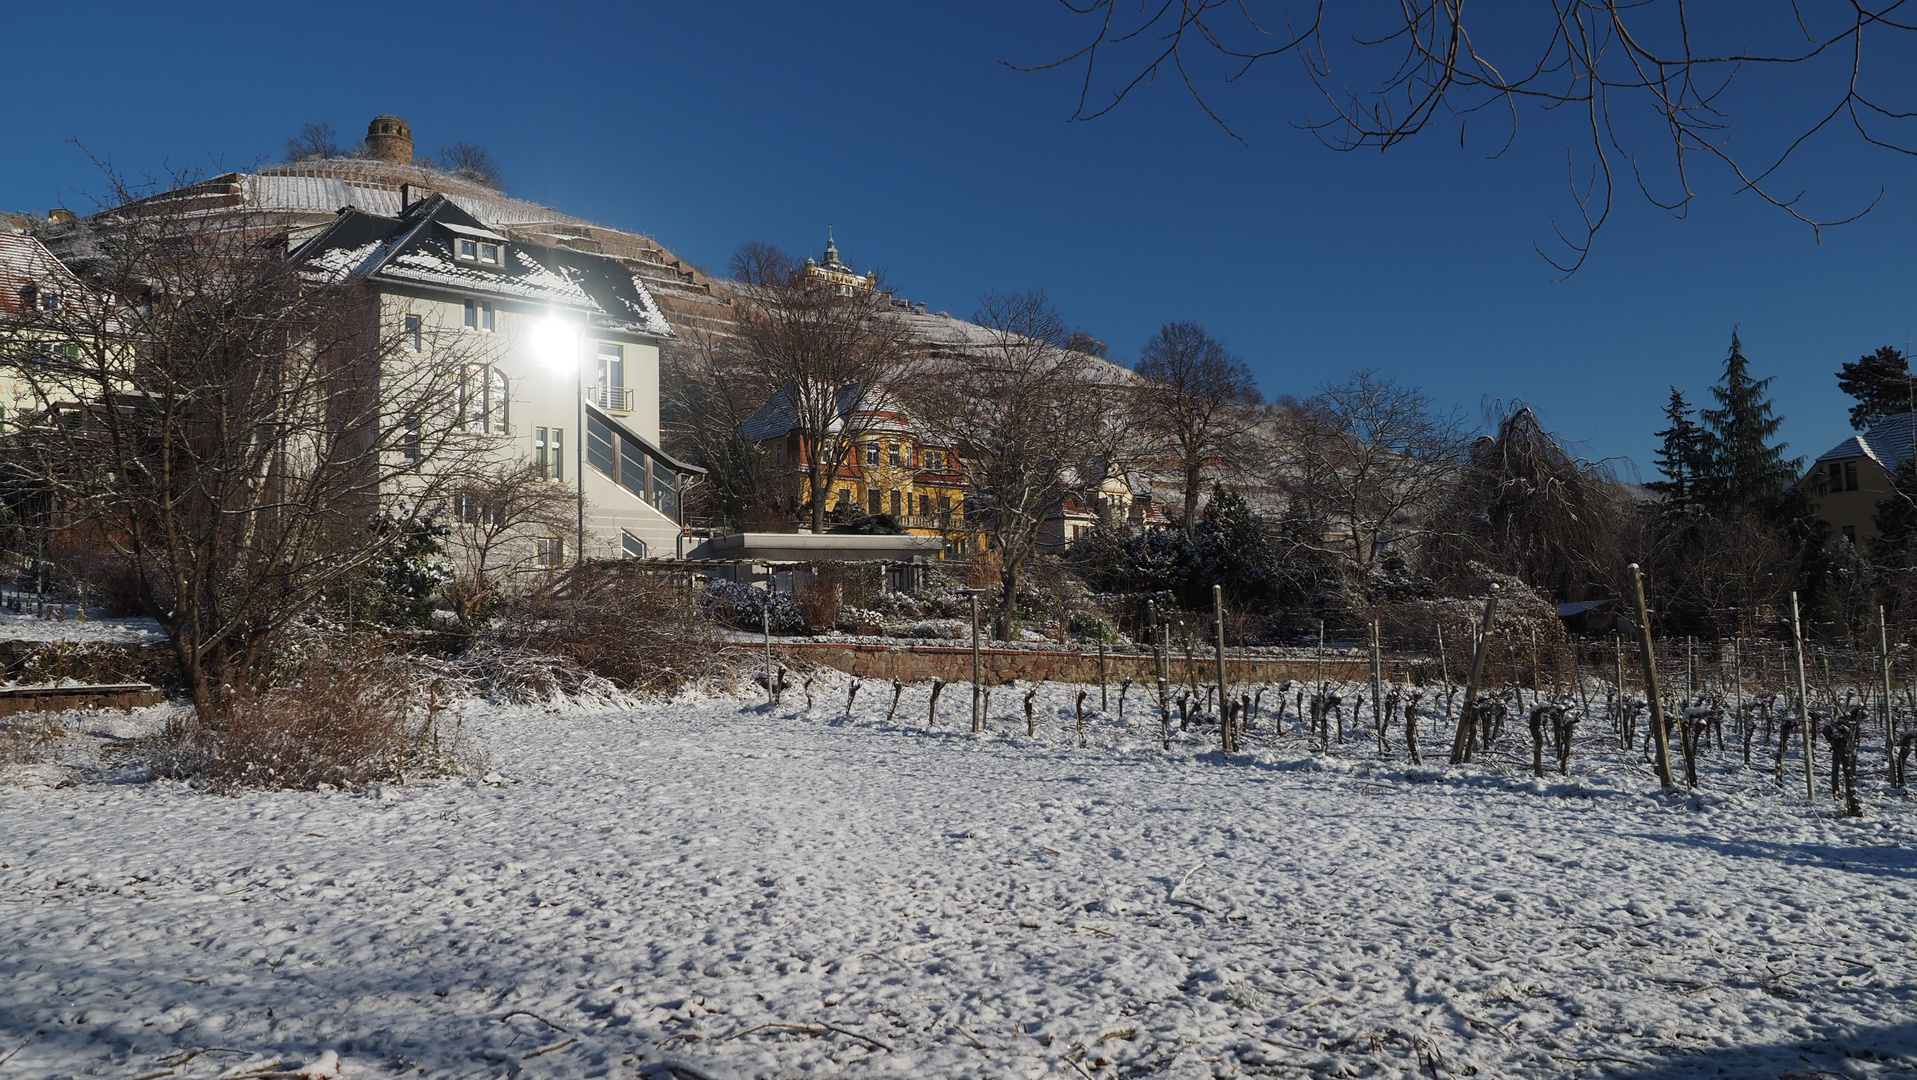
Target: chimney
389, 139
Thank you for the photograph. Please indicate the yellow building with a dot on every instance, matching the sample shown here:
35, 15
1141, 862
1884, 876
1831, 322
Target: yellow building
889, 469
1851, 478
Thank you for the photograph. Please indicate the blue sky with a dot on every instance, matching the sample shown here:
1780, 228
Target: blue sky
707, 125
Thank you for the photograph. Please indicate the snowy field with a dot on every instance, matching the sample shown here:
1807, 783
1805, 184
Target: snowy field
26, 626
751, 893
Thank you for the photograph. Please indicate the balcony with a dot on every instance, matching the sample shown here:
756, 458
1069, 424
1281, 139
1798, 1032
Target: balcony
612, 398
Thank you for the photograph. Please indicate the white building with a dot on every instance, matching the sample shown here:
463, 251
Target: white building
570, 378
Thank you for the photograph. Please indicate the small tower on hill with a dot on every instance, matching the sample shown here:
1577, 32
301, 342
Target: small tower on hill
389, 139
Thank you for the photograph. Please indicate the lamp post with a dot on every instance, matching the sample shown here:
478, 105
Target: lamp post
557, 345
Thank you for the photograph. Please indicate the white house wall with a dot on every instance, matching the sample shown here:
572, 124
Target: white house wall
539, 396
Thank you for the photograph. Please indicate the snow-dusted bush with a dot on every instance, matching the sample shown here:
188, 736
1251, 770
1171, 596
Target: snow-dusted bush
739, 605
341, 711
639, 629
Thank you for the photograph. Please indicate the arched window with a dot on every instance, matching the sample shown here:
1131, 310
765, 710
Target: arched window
483, 397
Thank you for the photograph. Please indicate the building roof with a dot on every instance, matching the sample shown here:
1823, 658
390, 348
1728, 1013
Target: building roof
23, 263
777, 417
1888, 443
415, 247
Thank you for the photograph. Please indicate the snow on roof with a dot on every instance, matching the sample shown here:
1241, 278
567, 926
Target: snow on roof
777, 416
469, 231
404, 249
1580, 607
25, 262
1888, 443
329, 194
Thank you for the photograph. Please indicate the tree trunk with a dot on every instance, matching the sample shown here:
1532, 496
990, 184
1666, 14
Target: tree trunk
1008, 600
1192, 477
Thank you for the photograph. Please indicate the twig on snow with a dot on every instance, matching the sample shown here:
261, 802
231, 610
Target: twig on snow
549, 1049
535, 1016
810, 1029
969, 1037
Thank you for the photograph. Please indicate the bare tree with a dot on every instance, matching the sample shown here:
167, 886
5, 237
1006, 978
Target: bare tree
1197, 408
313, 141
1367, 461
1033, 423
500, 512
1644, 87
1523, 505
830, 354
240, 437
705, 401
470, 161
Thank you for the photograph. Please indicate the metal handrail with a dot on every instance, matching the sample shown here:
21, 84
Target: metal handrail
612, 398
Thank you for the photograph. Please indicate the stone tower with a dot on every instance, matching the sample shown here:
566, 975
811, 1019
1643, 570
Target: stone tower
389, 139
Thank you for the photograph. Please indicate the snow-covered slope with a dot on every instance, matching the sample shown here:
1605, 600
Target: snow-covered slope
757, 894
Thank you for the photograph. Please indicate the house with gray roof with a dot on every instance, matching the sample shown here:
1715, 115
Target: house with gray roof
1851, 478
570, 381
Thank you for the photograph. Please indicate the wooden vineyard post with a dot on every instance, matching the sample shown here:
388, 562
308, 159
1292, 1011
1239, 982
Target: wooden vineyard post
1617, 657
1803, 704
1649, 655
978, 709
1467, 717
1321, 658
1883, 655
766, 614
1228, 739
1104, 695
1380, 717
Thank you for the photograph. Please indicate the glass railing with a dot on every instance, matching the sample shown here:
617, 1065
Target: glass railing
627, 463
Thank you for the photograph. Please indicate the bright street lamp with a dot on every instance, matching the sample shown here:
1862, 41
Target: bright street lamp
556, 344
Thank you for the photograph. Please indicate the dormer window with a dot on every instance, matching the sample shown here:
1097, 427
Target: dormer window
479, 251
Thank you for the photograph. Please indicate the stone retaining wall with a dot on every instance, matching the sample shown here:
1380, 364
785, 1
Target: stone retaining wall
26, 699
922, 663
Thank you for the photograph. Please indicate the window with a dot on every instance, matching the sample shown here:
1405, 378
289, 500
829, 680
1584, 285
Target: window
1850, 476
612, 366
934, 460
482, 400
486, 317
945, 504
892, 452
549, 452
472, 315
872, 455
413, 338
409, 443
551, 552
631, 546
469, 249
489, 253
925, 505
897, 500
1843, 476
473, 510
872, 499
1850, 533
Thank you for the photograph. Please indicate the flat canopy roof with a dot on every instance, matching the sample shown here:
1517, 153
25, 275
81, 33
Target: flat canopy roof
824, 547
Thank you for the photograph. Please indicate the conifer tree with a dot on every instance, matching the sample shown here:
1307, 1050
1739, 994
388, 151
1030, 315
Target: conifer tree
1748, 472
1680, 456
1881, 383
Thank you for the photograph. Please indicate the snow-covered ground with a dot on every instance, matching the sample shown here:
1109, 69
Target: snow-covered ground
26, 626
757, 894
